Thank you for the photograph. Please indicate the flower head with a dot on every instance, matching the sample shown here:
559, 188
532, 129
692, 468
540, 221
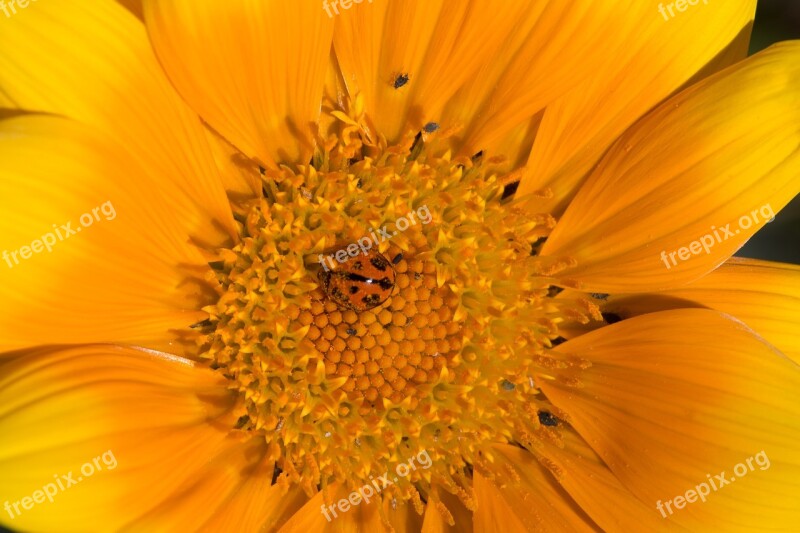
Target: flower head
403, 272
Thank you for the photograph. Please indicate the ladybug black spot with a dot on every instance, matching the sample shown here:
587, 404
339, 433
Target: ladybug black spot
371, 300
379, 262
353, 289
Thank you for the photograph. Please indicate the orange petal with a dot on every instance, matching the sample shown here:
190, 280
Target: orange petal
675, 398
239, 174
86, 258
401, 515
321, 514
722, 154
442, 508
595, 488
524, 497
97, 67
144, 435
439, 45
558, 47
763, 295
658, 59
253, 70
134, 6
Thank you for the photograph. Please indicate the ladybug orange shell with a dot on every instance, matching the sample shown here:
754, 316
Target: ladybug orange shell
360, 282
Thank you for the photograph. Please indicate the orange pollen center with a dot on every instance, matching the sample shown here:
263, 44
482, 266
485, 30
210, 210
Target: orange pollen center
390, 351
444, 363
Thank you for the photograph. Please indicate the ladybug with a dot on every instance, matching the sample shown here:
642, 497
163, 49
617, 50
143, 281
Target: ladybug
360, 282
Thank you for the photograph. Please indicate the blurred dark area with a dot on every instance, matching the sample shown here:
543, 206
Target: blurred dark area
777, 20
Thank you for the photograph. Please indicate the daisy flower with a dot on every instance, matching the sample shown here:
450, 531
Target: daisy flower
395, 266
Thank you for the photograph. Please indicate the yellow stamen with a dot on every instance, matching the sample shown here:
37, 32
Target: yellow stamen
441, 366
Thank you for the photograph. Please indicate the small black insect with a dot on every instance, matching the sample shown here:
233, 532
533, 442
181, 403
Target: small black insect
430, 127
400, 80
397, 259
547, 419
507, 385
202, 324
509, 190
351, 331
557, 341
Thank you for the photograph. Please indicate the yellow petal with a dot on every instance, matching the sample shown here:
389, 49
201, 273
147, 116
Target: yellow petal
134, 6
97, 66
722, 154
524, 497
675, 398
231, 492
658, 58
86, 258
253, 70
255, 505
763, 295
144, 437
438, 44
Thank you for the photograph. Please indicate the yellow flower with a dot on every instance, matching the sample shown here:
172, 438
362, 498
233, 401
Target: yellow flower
555, 345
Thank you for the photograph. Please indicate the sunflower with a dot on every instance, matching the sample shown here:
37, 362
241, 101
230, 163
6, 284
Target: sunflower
539, 336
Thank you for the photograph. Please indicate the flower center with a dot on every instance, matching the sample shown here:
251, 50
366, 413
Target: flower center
443, 364
396, 350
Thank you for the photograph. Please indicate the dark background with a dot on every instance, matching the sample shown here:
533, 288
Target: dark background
776, 20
